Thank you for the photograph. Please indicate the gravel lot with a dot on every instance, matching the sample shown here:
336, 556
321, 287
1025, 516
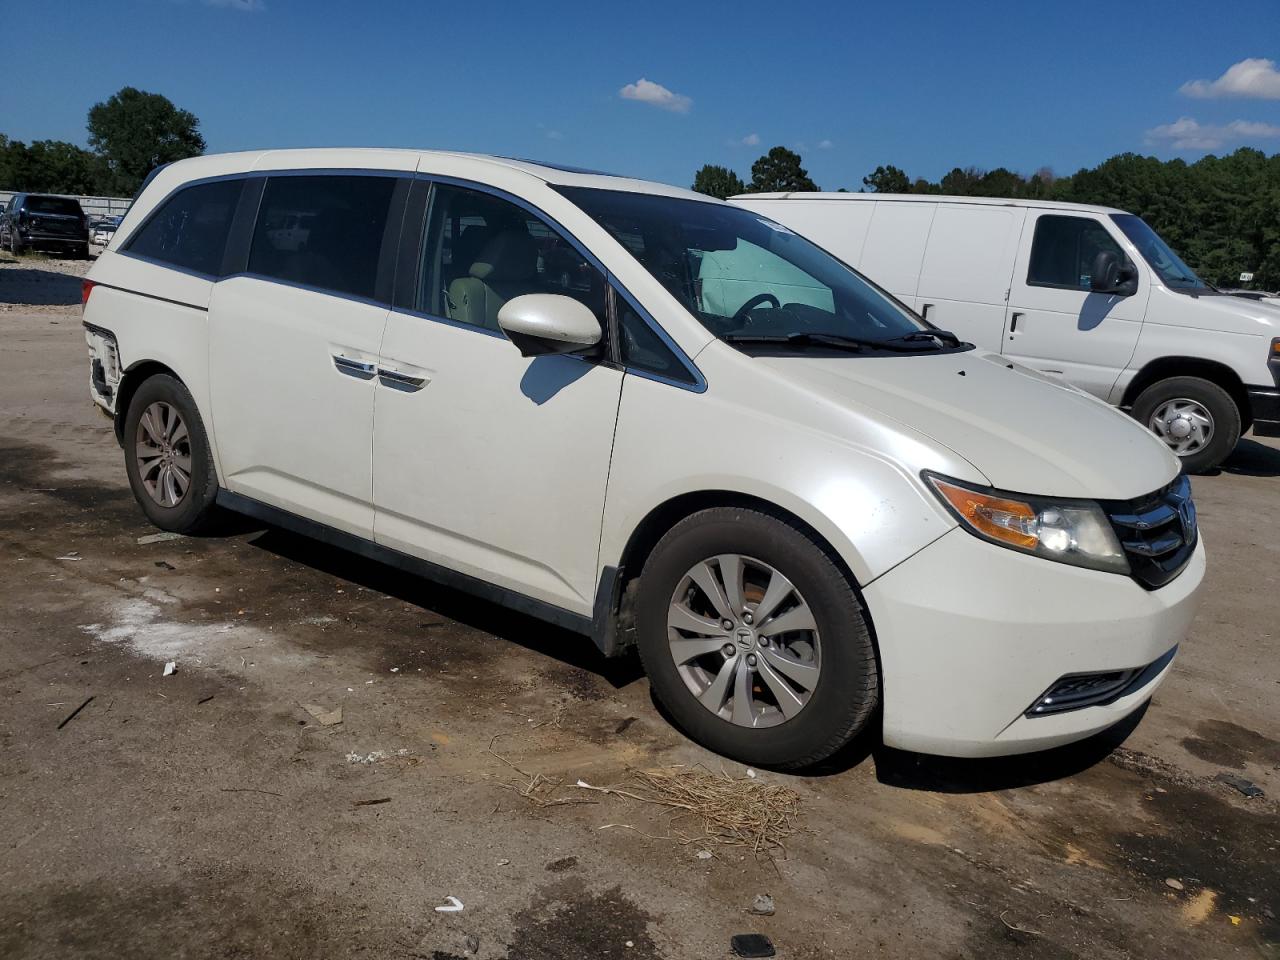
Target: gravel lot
210, 814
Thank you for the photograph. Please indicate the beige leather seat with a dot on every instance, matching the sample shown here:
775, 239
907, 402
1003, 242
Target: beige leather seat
506, 267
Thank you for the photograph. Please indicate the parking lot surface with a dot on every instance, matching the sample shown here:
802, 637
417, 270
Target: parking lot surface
230, 810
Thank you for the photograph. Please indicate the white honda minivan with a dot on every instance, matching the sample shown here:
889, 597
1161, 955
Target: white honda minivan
1090, 294
511, 378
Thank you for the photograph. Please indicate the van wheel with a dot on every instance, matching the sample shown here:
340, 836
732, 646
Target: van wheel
167, 456
1196, 418
754, 641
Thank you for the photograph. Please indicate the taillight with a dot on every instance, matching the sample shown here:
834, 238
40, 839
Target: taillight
86, 288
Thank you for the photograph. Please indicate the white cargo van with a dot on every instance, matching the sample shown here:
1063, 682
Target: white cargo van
1090, 294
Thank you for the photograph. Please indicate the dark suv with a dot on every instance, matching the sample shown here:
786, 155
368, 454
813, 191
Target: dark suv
34, 220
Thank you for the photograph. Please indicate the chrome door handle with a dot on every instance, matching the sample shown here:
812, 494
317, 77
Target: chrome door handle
354, 368
400, 381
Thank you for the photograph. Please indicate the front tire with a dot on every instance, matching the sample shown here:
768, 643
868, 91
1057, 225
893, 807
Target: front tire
1195, 417
754, 640
167, 456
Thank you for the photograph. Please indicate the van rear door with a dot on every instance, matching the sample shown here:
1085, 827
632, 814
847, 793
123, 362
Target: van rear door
964, 280
1055, 323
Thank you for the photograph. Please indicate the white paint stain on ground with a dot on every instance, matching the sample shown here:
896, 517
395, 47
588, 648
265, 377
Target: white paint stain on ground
140, 624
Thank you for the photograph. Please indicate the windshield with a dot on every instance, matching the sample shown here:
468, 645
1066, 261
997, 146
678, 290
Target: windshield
61, 205
744, 276
1172, 271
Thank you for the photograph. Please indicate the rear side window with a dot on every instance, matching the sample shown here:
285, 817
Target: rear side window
190, 228
1063, 250
322, 231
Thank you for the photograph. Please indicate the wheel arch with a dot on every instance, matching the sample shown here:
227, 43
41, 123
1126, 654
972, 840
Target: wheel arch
135, 375
618, 632
1163, 368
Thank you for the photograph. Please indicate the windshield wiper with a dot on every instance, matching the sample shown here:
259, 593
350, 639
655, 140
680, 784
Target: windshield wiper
839, 341
945, 337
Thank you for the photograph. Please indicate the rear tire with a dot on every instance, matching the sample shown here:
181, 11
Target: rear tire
1195, 417
825, 665
167, 456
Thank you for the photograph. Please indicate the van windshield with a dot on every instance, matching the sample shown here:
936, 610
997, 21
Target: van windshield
1168, 266
750, 280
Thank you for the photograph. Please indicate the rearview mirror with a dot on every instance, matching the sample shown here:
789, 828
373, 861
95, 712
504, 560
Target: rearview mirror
545, 323
1111, 276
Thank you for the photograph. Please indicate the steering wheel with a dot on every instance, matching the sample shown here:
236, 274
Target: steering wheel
754, 302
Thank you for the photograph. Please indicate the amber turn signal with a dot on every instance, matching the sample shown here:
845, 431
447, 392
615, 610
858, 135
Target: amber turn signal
1009, 521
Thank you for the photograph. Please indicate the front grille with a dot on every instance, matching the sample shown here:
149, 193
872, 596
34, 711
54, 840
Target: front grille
1158, 532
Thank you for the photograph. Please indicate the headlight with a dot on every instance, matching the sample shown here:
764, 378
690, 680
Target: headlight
1069, 531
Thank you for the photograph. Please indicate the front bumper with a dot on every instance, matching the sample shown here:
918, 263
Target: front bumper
1264, 406
971, 634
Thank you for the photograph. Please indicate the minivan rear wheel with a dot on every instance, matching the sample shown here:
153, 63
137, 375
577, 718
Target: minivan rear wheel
1195, 417
754, 640
167, 456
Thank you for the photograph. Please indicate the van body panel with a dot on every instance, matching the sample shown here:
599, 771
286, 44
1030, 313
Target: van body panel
965, 276
497, 465
761, 456
895, 247
295, 426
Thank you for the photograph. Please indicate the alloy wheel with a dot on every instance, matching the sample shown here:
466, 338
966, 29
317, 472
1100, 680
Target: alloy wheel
163, 452
744, 641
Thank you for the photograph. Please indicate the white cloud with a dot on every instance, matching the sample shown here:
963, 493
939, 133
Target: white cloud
646, 91
248, 6
1186, 133
1254, 77
554, 135
750, 140
825, 144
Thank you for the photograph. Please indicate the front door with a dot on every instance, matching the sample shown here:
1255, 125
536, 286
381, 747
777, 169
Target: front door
487, 462
293, 344
1054, 322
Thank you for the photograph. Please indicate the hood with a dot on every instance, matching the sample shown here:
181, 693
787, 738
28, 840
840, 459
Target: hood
1025, 432
1217, 311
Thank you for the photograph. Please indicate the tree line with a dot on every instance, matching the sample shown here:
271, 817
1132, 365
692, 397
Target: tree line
130, 134
1221, 214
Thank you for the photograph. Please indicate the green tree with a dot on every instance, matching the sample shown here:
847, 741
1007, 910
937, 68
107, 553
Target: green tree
51, 166
888, 179
135, 132
716, 181
961, 182
61, 167
779, 171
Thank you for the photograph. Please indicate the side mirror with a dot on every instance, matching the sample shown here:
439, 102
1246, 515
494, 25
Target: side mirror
1111, 276
545, 323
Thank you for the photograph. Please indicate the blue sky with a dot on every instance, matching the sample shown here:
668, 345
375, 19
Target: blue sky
925, 86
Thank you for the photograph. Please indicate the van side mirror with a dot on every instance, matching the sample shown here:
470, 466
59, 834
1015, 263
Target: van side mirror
546, 323
1111, 276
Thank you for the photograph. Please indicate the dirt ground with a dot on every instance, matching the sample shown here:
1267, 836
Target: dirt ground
209, 814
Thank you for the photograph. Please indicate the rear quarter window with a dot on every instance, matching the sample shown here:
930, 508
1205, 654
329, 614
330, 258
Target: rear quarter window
190, 229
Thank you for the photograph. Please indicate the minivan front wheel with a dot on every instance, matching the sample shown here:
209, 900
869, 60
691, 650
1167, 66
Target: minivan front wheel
753, 639
1196, 418
167, 456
